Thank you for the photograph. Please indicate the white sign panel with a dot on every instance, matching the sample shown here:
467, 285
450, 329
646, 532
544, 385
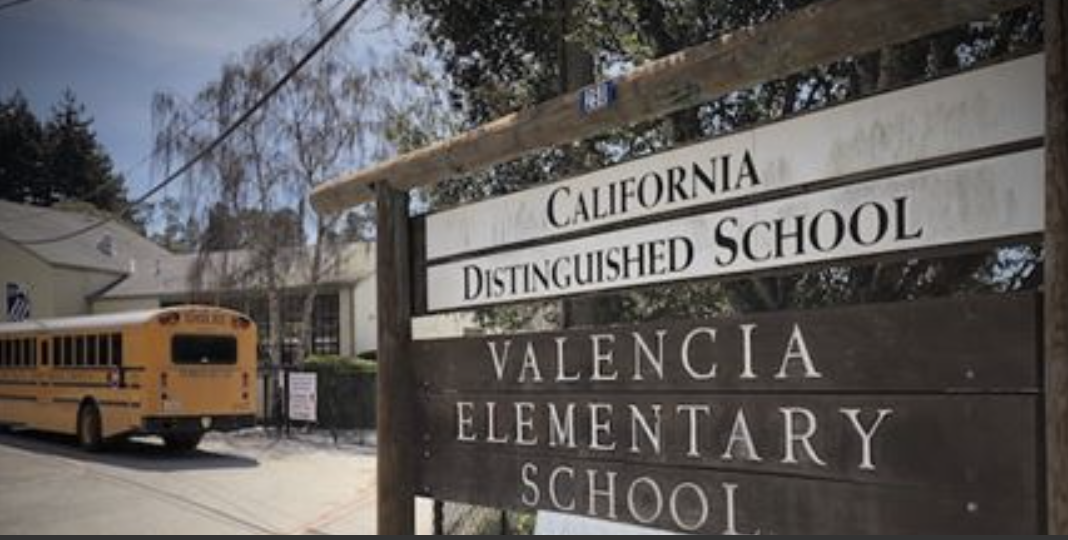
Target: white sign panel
986, 108
303, 397
977, 201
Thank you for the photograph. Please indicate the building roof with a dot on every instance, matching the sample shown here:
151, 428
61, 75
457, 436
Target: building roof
234, 270
143, 269
113, 248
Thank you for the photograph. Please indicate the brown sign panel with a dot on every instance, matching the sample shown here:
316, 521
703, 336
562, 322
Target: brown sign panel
982, 344
911, 417
710, 501
934, 441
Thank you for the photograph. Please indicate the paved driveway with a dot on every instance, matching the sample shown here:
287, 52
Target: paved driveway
249, 483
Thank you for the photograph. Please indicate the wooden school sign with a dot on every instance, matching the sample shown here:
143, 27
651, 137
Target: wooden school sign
900, 418
973, 199
991, 199
936, 416
947, 117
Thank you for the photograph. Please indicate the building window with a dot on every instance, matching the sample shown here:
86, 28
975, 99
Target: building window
326, 324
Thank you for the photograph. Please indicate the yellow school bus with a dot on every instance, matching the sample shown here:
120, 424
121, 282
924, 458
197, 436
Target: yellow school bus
176, 372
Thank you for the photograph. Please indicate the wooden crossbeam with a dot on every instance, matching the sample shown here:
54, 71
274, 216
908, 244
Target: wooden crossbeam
825, 32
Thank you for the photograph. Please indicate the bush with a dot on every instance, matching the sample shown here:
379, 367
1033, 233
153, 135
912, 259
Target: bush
346, 391
341, 365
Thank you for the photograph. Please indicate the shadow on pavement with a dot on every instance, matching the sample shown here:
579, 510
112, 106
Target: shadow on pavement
138, 454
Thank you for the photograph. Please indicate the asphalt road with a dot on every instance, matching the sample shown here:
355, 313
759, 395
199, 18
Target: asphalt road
238, 484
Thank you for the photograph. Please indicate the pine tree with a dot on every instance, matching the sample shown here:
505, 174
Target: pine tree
58, 162
22, 154
78, 167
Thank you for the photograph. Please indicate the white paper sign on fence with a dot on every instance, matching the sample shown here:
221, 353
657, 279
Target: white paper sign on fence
303, 397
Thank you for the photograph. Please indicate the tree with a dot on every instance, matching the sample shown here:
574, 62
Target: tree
58, 162
22, 154
251, 191
77, 164
180, 231
499, 60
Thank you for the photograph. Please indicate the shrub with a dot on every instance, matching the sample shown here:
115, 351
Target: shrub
341, 365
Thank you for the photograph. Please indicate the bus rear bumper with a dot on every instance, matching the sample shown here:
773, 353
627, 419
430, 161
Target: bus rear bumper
167, 425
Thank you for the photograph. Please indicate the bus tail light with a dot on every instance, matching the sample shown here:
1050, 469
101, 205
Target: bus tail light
168, 319
241, 322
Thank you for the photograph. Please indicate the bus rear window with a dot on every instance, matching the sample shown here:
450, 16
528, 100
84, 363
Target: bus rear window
204, 350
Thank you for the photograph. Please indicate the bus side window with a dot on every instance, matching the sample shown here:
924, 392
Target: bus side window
57, 351
31, 352
102, 353
3, 353
79, 351
90, 351
45, 360
16, 349
116, 350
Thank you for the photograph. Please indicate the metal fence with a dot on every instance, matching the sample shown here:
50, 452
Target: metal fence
346, 400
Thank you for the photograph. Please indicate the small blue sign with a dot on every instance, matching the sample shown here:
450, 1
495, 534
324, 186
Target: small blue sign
18, 303
597, 97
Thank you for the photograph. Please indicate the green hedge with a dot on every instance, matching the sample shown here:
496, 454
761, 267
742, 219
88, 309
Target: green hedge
346, 391
341, 365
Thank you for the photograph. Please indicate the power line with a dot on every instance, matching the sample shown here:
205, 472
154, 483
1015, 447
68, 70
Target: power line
329, 35
200, 118
13, 3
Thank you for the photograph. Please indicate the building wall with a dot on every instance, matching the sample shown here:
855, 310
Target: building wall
32, 274
72, 289
346, 315
365, 315
53, 291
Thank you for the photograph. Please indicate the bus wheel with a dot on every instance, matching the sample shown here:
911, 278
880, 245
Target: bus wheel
90, 437
185, 442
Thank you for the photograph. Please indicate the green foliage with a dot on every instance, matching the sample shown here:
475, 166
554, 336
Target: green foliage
522, 523
59, 160
341, 365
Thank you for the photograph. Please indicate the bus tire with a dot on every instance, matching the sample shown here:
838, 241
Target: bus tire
184, 442
90, 428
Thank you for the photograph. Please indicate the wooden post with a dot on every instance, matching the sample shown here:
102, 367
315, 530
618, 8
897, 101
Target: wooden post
396, 406
1056, 271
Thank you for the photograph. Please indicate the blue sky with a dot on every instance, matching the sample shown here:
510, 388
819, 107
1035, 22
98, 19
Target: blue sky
115, 54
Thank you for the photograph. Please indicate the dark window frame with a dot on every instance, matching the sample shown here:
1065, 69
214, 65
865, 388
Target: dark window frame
79, 351
326, 324
117, 359
92, 351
